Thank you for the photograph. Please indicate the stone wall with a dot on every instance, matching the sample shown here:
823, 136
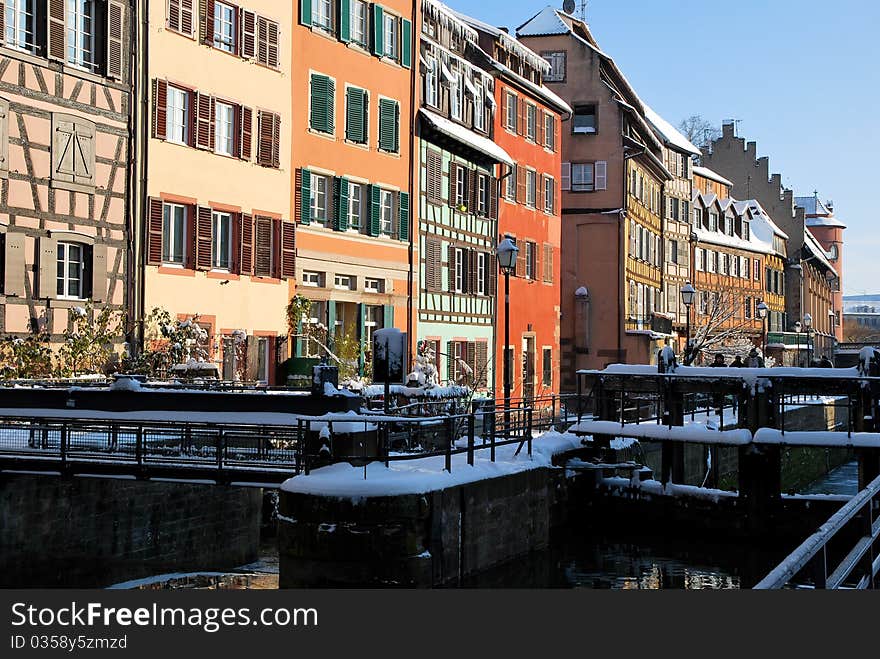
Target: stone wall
86, 532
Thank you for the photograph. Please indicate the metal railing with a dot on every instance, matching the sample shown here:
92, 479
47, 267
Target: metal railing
814, 559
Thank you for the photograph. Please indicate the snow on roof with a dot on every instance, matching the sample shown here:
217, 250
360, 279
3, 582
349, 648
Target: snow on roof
817, 250
759, 213
705, 172
468, 137
546, 21
734, 242
533, 58
671, 135
539, 90
812, 205
825, 222
448, 17
423, 475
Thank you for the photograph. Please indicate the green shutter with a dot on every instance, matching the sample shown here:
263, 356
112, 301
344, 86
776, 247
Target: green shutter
388, 315
318, 102
378, 30
305, 12
305, 197
405, 42
345, 20
331, 323
375, 211
330, 100
356, 115
341, 205
403, 217
362, 323
389, 131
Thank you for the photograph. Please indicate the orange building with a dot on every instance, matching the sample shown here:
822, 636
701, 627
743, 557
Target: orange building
351, 165
527, 127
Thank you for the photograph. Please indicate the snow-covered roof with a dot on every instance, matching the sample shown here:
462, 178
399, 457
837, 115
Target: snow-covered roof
547, 21
539, 90
449, 18
825, 222
467, 137
761, 225
705, 172
671, 135
818, 214
759, 213
817, 250
510, 42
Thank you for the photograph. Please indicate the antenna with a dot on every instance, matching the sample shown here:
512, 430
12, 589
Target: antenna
583, 10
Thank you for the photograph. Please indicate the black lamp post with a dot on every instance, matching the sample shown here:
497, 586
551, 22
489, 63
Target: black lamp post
763, 310
507, 252
688, 292
797, 328
808, 325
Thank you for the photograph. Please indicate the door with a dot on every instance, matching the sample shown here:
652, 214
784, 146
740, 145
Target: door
528, 367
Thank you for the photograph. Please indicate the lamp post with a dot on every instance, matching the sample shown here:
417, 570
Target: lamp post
763, 310
688, 292
507, 252
797, 328
808, 324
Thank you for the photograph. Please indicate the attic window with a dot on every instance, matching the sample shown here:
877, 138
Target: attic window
584, 119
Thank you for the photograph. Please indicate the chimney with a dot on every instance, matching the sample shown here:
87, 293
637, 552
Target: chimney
728, 128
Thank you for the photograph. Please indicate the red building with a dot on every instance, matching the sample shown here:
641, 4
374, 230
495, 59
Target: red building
527, 127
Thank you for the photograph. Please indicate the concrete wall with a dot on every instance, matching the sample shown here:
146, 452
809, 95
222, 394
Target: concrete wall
415, 540
95, 532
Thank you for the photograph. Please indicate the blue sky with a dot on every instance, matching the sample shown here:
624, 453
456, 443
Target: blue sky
800, 75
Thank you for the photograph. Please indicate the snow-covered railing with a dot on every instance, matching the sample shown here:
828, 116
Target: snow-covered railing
860, 566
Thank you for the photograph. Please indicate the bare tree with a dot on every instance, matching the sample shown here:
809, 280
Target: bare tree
861, 334
699, 131
722, 328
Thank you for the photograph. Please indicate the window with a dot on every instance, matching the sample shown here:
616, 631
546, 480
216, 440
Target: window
582, 177
224, 27
510, 185
322, 14
713, 221
20, 24
73, 152
479, 111
746, 230
262, 359
531, 187
531, 121
549, 195
547, 367
510, 122
550, 131
355, 205
458, 284
374, 320
173, 233
757, 270
482, 273
728, 228
531, 261
386, 207
359, 22
344, 282
224, 117
178, 121
460, 186
584, 120
264, 247
71, 265
698, 219
557, 66
390, 34
318, 198
221, 241
389, 125
431, 83
483, 195
310, 278
455, 96
81, 34
374, 285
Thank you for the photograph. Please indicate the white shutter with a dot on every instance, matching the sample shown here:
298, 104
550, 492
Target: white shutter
566, 176
601, 175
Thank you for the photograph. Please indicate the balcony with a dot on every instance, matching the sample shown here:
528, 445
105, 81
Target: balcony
655, 323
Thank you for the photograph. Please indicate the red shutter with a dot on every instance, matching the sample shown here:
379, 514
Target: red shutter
276, 248
264, 139
246, 234
539, 192
262, 40
246, 131
450, 258
453, 183
160, 108
114, 37
207, 21
276, 140
492, 269
473, 190
248, 38
520, 116
191, 240
154, 232
263, 246
235, 266
186, 17
520, 184
472, 271
56, 28
273, 44
493, 198
203, 238
204, 121
174, 15
288, 250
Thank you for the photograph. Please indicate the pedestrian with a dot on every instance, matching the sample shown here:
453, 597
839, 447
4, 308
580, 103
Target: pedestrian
825, 362
737, 362
719, 361
718, 398
754, 360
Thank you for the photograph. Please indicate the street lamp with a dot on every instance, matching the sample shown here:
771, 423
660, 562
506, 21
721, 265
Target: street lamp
507, 252
763, 310
797, 328
688, 292
808, 324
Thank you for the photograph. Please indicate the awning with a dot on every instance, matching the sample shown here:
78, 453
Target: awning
467, 137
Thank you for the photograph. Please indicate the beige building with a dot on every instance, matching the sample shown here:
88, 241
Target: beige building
64, 145
218, 241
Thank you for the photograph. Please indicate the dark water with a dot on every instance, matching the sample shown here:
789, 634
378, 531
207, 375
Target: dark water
843, 480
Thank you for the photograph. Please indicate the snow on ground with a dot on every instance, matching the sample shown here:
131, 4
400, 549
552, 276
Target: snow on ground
693, 432
424, 475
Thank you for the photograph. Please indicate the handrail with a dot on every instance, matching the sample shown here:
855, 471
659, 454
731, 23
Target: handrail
810, 549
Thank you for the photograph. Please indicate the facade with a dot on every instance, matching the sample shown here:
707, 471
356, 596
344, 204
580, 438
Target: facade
812, 280
352, 166
65, 105
678, 153
458, 200
612, 181
218, 240
527, 126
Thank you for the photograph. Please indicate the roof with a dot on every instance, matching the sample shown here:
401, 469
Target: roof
812, 205
817, 250
547, 21
467, 137
540, 91
705, 172
671, 135
762, 227
533, 58
825, 222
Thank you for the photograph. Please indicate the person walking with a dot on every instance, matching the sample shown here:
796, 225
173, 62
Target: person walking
737, 362
754, 360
